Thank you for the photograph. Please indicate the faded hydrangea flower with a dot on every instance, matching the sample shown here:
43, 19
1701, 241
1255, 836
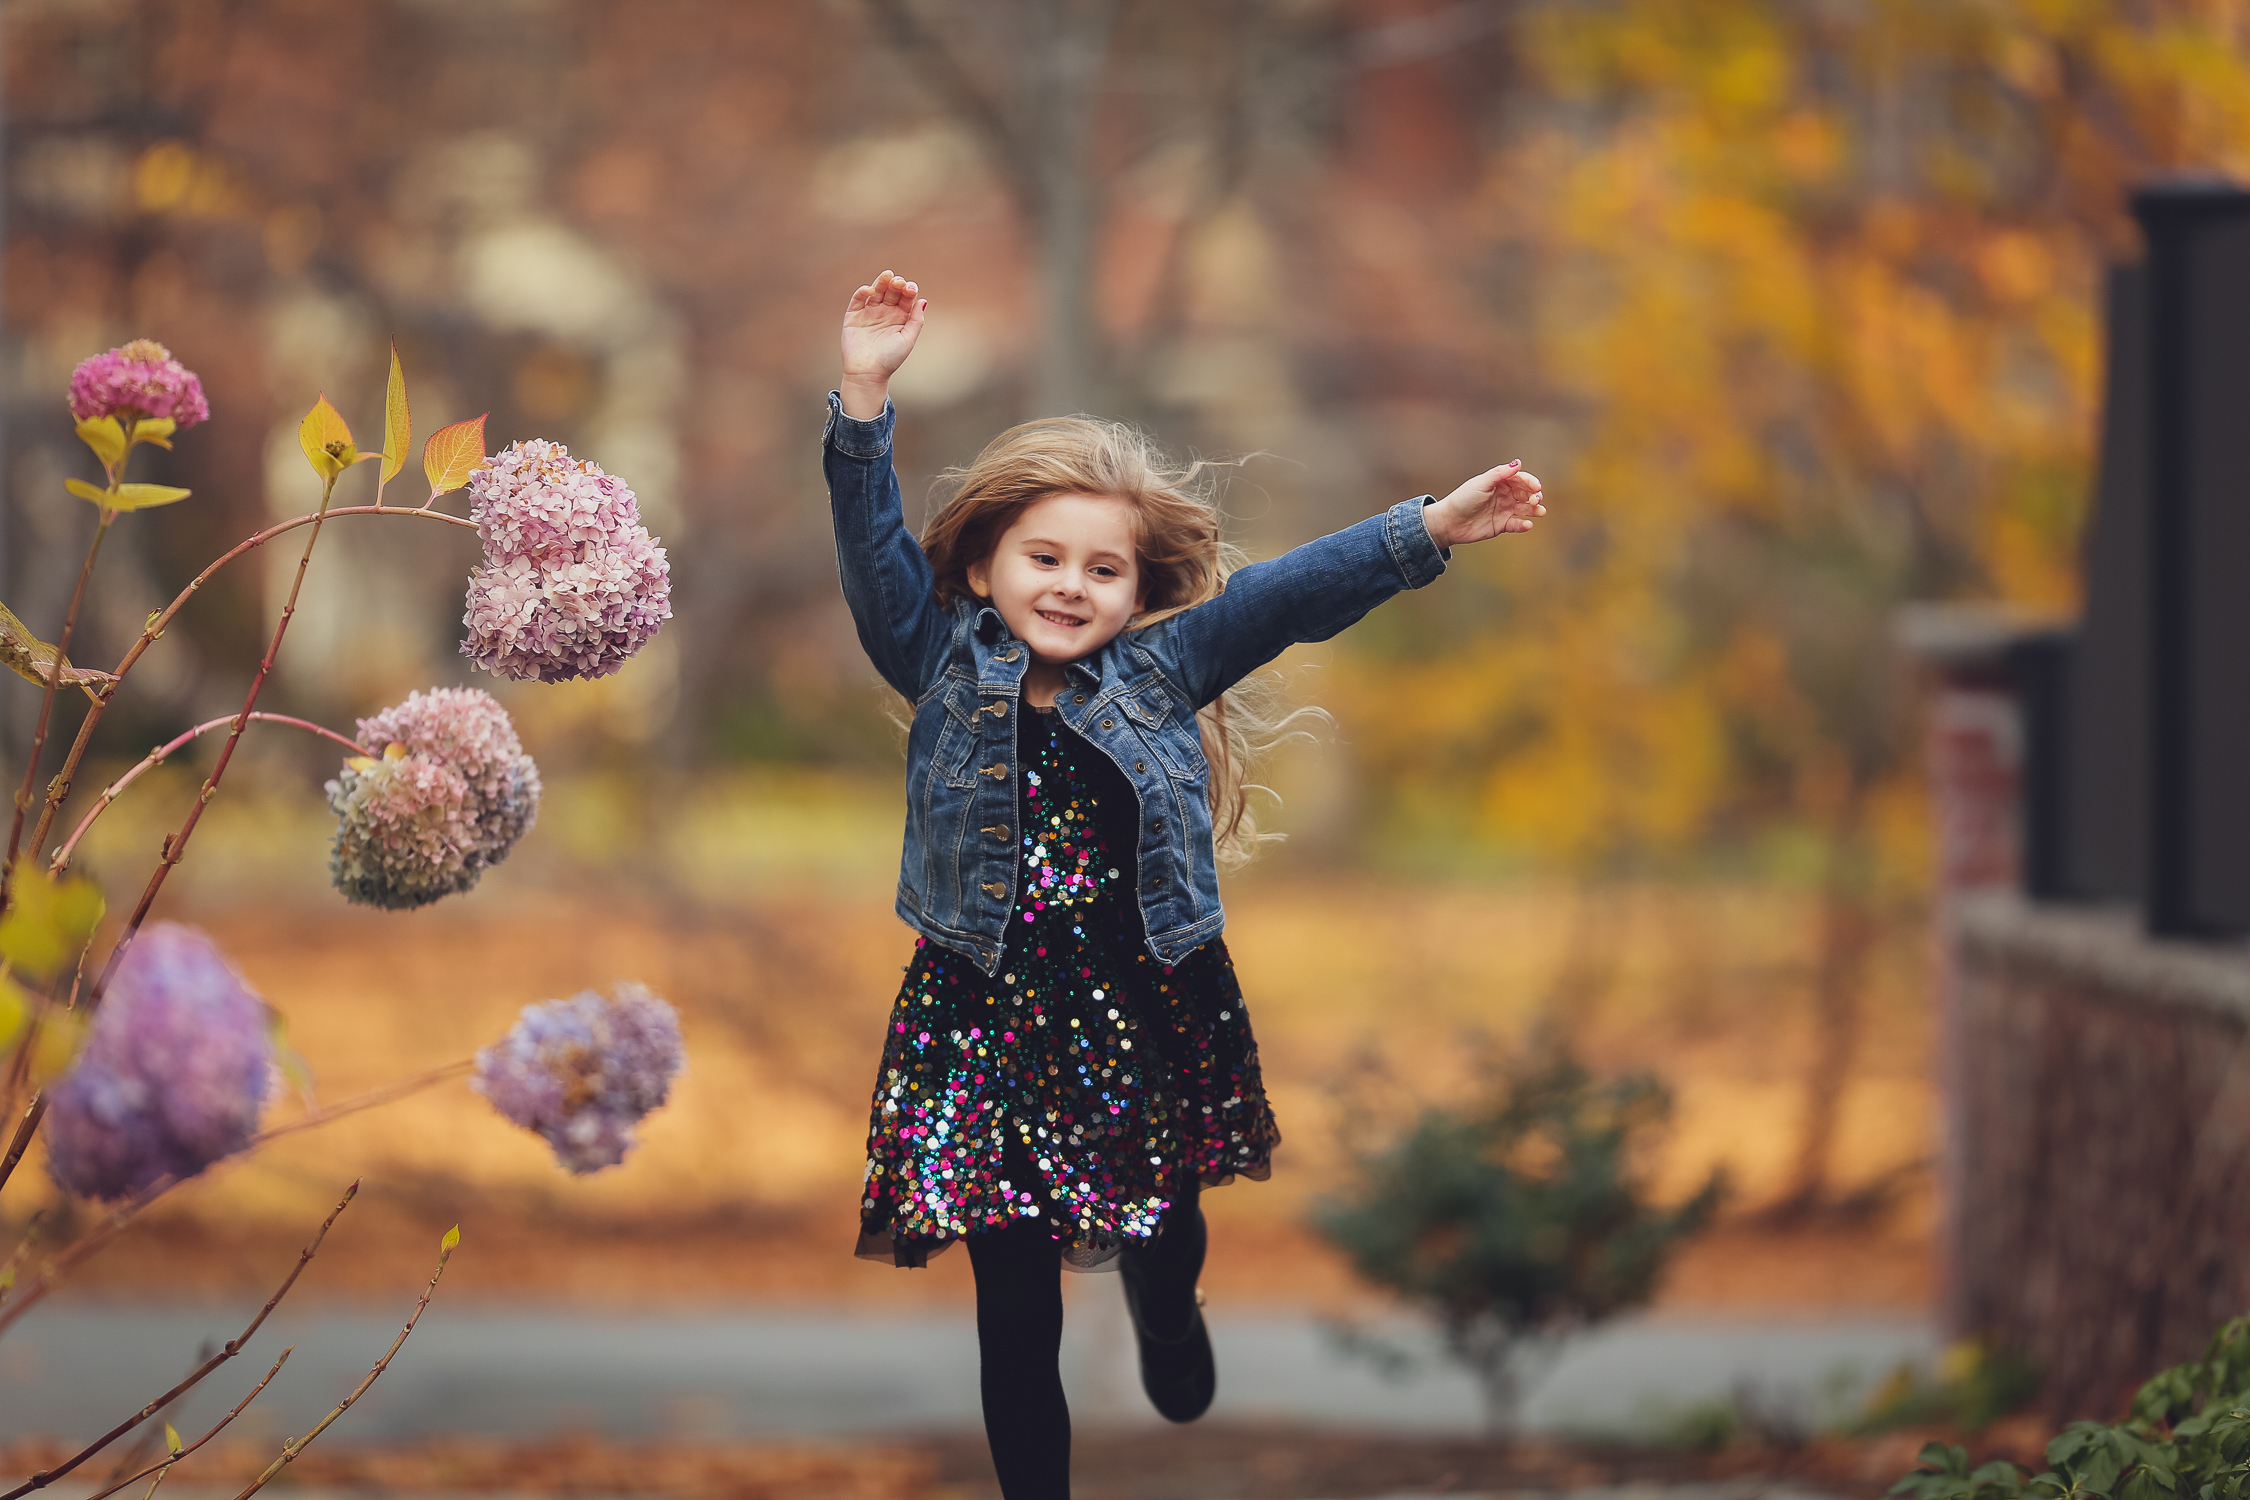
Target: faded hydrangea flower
581, 1072
443, 794
572, 584
139, 379
172, 1076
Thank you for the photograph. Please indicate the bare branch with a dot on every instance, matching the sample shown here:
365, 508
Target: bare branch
290, 1450
45, 1477
944, 74
163, 1466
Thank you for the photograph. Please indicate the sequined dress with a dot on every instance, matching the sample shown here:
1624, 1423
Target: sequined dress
1082, 1083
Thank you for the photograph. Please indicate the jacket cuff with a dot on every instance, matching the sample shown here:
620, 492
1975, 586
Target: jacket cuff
1420, 560
850, 436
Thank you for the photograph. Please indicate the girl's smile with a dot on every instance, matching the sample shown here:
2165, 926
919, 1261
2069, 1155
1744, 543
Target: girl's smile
1066, 578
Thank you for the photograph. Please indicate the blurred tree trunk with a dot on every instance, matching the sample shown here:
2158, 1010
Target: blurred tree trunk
1035, 120
1847, 936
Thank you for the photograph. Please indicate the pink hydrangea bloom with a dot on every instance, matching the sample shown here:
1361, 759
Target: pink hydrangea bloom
582, 1072
442, 795
172, 1078
572, 584
139, 379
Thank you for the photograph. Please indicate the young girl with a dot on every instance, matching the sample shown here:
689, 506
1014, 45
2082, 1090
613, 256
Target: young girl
1069, 1062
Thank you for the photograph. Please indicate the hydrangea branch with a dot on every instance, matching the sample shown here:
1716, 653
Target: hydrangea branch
175, 847
233, 1346
82, 1248
157, 756
36, 1289
153, 631
368, 1100
46, 712
163, 1466
290, 1450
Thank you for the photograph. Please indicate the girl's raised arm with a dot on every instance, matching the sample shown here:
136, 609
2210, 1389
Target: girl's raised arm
887, 580
1312, 592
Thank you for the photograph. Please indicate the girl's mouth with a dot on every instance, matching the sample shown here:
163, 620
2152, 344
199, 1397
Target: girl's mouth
1068, 622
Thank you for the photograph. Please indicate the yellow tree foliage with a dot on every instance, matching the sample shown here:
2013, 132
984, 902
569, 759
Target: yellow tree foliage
1822, 285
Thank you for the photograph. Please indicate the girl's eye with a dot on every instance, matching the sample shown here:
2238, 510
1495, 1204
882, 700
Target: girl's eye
1044, 559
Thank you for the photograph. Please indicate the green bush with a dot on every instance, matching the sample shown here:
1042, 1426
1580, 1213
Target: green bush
1518, 1218
2188, 1435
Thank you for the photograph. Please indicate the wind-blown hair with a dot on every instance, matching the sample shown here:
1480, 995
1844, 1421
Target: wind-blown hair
1183, 562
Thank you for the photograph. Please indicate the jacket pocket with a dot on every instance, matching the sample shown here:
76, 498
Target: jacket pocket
958, 734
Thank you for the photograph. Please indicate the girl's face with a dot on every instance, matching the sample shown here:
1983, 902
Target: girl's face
1065, 576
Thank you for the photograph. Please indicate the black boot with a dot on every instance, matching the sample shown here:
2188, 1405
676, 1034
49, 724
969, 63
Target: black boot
1177, 1368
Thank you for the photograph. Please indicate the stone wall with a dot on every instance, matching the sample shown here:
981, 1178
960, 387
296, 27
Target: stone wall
2098, 1214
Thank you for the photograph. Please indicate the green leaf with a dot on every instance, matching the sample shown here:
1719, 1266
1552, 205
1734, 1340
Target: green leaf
452, 454
143, 496
157, 430
398, 423
451, 1241
93, 492
171, 1438
14, 1007
33, 659
49, 921
106, 436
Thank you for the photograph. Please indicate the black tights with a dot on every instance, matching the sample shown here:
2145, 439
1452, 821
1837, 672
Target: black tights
1019, 1336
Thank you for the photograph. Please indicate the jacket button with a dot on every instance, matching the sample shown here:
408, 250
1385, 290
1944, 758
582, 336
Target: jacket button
997, 830
998, 708
996, 770
1109, 723
1156, 825
1139, 767
1007, 655
1078, 697
996, 889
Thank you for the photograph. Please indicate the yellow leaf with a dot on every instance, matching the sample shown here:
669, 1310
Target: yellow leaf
157, 430
93, 492
106, 436
142, 496
33, 659
62, 1036
452, 1239
171, 1438
48, 921
398, 423
327, 441
452, 453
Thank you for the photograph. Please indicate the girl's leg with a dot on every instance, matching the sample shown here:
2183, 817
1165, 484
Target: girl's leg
1175, 1348
1164, 1272
1019, 1336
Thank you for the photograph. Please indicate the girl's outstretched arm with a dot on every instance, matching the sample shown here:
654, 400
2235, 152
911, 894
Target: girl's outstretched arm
1310, 593
887, 580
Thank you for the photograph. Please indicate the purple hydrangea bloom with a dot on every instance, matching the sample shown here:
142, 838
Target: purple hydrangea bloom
572, 584
140, 379
581, 1072
171, 1078
442, 795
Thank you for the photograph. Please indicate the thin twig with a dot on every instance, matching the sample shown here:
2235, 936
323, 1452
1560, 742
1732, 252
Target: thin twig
163, 1465
85, 1245
153, 631
47, 708
290, 1450
233, 1347
368, 1100
157, 757
36, 1289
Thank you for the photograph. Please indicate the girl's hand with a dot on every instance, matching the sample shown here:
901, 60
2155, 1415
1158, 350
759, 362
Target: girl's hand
1496, 501
881, 323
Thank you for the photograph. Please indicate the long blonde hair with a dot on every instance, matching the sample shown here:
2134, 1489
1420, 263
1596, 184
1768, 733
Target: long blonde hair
1183, 562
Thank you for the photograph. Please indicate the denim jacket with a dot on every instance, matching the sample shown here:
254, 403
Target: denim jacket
1136, 698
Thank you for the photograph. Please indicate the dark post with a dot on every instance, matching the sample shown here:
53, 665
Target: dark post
2198, 876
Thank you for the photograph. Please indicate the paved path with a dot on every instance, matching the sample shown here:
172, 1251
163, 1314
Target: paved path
68, 1368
